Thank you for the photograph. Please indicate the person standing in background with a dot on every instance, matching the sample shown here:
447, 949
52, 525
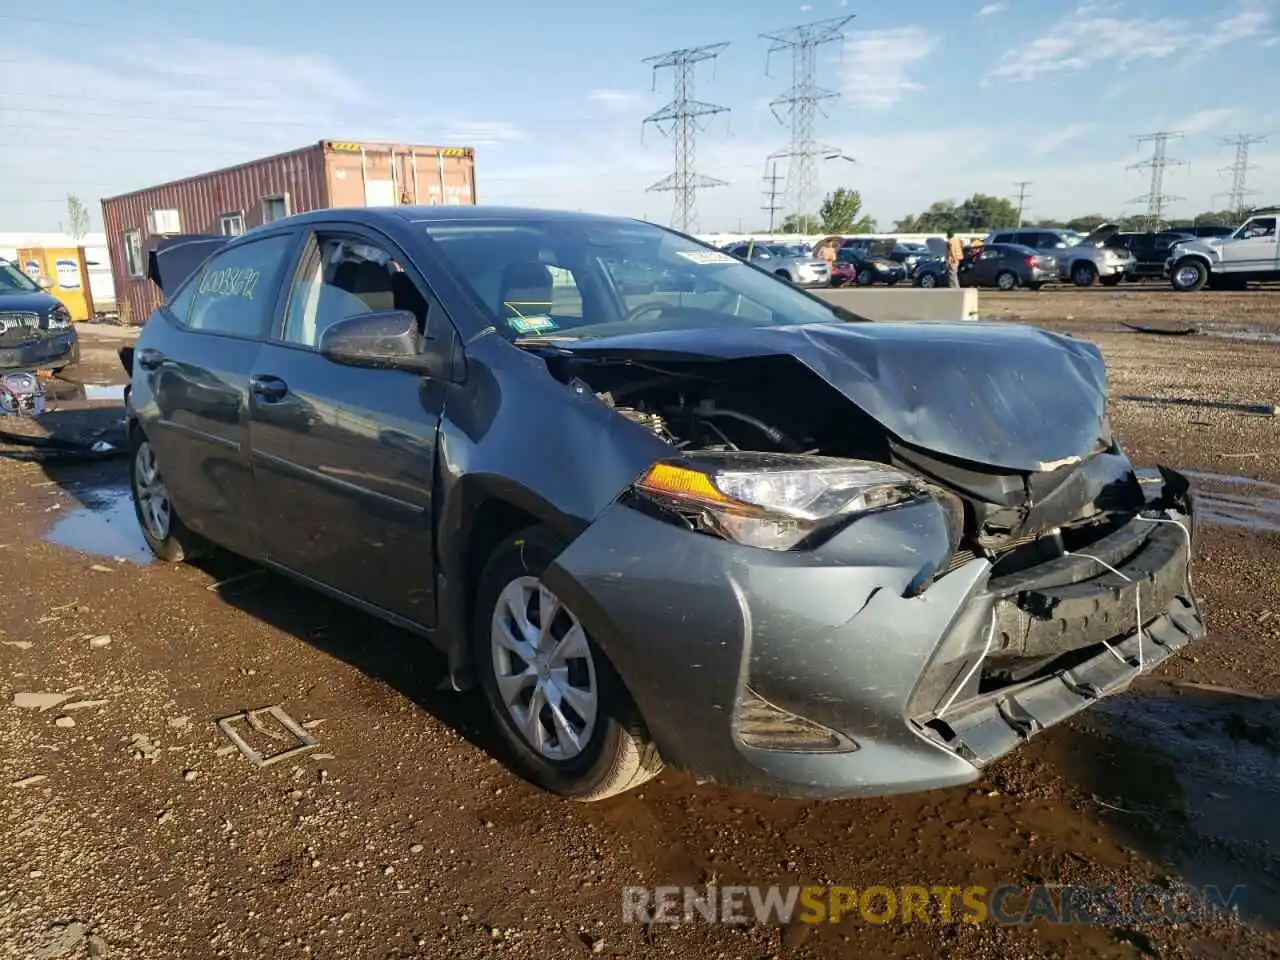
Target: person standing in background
955, 253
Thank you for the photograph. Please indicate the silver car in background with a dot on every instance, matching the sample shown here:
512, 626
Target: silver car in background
789, 262
1083, 260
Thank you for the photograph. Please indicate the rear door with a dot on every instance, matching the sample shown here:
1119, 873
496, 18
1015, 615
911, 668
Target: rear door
344, 457
191, 386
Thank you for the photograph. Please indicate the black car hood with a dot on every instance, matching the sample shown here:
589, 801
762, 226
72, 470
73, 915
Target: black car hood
1004, 395
37, 301
173, 259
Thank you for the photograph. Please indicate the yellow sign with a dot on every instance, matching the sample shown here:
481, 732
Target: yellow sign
455, 151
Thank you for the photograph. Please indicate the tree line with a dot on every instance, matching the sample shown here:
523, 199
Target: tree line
841, 212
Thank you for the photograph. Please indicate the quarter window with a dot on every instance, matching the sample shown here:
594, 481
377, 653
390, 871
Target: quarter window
236, 291
343, 277
133, 252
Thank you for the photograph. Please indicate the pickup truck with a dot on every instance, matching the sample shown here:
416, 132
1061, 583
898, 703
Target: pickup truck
1250, 253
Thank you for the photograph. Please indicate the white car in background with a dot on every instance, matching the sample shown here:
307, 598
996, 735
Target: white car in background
789, 262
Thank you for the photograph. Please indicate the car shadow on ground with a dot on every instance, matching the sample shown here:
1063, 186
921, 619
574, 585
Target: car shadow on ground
1189, 777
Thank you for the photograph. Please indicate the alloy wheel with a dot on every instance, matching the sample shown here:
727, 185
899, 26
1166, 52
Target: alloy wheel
1187, 276
153, 495
543, 668
1006, 281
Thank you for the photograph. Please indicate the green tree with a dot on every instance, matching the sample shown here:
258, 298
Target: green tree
980, 212
77, 216
840, 213
805, 223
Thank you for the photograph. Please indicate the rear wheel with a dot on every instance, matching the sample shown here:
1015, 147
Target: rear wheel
1084, 274
165, 533
562, 711
1006, 280
1112, 281
927, 280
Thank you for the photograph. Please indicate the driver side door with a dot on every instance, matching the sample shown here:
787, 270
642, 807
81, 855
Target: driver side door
1254, 249
344, 457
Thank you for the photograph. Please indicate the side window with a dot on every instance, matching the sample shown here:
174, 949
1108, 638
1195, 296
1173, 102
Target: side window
566, 298
236, 291
180, 304
991, 253
1008, 238
342, 277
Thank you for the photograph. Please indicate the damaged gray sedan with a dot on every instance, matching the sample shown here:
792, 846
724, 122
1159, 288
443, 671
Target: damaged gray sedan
720, 524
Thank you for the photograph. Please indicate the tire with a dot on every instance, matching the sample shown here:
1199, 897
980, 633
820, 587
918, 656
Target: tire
1035, 287
1189, 275
618, 754
1084, 274
891, 283
927, 280
1007, 280
1113, 281
165, 533
865, 278
783, 274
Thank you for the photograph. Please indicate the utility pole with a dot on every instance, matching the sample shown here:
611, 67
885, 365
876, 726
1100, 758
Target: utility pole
1156, 199
1240, 171
802, 101
679, 120
1022, 197
772, 193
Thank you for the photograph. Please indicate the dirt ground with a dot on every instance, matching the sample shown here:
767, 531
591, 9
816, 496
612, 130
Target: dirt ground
129, 828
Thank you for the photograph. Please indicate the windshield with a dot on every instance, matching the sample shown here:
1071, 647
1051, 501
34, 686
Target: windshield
575, 278
13, 280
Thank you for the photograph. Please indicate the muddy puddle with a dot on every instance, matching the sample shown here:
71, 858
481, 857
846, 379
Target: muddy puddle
1237, 501
102, 524
1200, 783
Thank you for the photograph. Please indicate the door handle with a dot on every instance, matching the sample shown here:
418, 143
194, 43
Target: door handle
269, 388
149, 358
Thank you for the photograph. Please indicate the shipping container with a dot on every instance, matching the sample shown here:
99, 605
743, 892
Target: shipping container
331, 173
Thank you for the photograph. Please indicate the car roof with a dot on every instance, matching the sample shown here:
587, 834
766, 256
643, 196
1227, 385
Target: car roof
411, 213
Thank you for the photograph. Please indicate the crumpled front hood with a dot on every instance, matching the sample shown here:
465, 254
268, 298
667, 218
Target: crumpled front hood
1009, 396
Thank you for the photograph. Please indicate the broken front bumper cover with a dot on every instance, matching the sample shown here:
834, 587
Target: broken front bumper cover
706, 633
46, 350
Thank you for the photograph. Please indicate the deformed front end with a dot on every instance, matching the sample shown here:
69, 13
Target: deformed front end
802, 601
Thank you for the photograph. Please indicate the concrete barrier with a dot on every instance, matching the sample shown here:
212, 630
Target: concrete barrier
908, 303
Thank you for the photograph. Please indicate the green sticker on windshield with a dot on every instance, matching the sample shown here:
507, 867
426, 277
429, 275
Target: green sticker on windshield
531, 324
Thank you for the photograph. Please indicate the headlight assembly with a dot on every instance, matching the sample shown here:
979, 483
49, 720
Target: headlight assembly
59, 316
774, 501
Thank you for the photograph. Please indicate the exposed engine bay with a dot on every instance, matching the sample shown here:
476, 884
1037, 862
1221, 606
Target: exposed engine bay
778, 405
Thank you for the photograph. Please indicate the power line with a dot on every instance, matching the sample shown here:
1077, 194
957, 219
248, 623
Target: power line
772, 206
802, 101
1156, 199
1239, 171
1022, 197
679, 120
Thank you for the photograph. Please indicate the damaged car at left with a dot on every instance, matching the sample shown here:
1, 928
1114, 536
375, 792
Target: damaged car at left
36, 331
728, 526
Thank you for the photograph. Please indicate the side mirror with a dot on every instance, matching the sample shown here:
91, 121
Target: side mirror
45, 283
385, 339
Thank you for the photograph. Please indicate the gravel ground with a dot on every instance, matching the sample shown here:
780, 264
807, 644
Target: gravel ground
129, 829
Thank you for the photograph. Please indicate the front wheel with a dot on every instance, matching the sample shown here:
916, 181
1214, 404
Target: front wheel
865, 278
1112, 281
1189, 275
927, 280
165, 533
562, 711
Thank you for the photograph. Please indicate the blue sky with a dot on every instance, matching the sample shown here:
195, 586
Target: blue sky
938, 99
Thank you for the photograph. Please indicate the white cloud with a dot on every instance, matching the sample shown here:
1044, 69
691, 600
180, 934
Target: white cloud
806, 7
114, 119
1204, 120
480, 133
877, 65
993, 8
1095, 34
617, 101
1048, 142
